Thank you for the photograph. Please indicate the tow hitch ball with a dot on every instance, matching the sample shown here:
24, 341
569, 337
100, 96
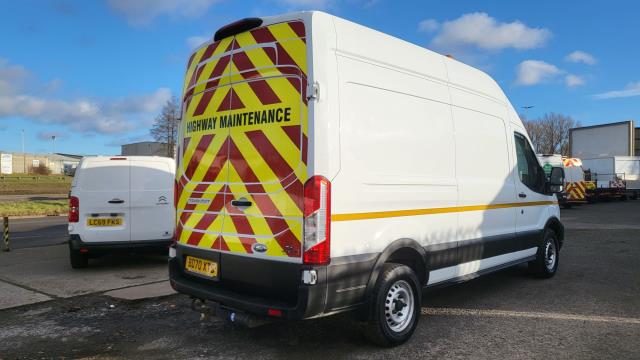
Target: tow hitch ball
230, 315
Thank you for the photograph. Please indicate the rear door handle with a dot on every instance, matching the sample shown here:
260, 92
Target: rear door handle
522, 195
241, 203
116, 201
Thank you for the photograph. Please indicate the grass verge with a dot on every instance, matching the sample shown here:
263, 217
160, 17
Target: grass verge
33, 207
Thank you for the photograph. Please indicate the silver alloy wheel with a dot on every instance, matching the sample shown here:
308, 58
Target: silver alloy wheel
399, 306
550, 255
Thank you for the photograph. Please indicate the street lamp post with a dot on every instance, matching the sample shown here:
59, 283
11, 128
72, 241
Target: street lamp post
24, 156
53, 140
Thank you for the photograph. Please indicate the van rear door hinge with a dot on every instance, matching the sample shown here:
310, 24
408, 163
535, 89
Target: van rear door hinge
313, 91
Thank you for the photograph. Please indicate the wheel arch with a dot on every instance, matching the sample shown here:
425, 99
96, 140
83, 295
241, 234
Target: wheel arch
403, 251
556, 225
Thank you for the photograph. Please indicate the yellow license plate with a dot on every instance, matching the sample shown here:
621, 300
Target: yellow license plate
204, 267
117, 221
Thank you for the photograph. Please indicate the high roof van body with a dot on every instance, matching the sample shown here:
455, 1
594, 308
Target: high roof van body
324, 167
120, 202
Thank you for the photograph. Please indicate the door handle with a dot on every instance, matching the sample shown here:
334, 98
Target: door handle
522, 195
116, 201
241, 203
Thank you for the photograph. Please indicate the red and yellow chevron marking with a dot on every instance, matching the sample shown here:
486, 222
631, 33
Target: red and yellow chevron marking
576, 190
244, 136
568, 162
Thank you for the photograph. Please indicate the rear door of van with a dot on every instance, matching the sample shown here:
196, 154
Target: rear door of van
103, 192
256, 116
151, 208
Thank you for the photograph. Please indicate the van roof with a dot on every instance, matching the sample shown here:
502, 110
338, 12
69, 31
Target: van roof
117, 157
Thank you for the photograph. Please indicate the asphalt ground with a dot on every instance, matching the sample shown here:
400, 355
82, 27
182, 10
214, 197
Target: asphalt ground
589, 310
38, 231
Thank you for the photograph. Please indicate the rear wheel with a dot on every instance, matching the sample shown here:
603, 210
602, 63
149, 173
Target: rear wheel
547, 258
77, 259
395, 306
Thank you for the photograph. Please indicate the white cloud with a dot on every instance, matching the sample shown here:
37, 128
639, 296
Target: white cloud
85, 115
632, 89
481, 31
574, 80
428, 25
141, 12
12, 77
581, 56
195, 41
532, 72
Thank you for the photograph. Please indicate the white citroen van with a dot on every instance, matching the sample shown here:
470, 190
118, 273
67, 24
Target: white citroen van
120, 203
325, 167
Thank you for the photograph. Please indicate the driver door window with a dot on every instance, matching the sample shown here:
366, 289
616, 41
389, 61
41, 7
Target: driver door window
529, 170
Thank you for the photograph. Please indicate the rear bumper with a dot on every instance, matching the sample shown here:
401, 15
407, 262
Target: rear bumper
76, 243
252, 285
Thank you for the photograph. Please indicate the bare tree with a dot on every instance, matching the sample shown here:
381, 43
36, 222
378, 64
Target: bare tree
550, 133
165, 127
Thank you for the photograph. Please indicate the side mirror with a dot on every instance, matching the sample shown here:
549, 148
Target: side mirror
556, 180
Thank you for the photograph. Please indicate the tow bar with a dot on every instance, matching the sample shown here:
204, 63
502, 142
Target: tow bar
232, 316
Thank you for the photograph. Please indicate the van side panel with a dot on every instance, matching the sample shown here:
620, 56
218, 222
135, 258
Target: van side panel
397, 153
152, 216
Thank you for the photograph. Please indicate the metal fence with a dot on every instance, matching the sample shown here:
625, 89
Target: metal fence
34, 179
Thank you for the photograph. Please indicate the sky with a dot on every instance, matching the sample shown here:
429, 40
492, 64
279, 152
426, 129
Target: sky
95, 74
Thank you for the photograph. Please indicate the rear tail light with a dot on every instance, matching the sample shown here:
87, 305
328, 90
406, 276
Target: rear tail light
74, 209
317, 221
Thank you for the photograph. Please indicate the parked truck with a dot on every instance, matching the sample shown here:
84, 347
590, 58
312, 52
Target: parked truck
575, 187
614, 139
614, 177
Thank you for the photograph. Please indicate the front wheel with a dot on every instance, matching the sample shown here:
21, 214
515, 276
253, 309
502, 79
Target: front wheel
548, 256
395, 306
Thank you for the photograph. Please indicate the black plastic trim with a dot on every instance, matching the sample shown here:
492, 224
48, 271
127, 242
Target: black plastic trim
237, 27
76, 243
251, 284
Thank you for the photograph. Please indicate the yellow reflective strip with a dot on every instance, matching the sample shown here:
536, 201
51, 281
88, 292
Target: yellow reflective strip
209, 238
289, 40
254, 215
184, 236
265, 175
192, 67
207, 160
193, 219
416, 212
233, 242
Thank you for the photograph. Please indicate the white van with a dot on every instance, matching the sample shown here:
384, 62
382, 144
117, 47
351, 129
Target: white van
121, 202
326, 167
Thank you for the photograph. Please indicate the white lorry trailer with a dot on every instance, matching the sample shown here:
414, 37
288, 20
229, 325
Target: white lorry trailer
617, 176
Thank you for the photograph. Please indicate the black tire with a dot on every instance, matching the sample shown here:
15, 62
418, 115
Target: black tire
378, 329
78, 260
541, 267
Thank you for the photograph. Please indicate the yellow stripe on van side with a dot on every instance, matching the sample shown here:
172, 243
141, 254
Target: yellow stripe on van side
444, 210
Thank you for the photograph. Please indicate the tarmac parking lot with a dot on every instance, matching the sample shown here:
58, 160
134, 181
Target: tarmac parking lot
122, 307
